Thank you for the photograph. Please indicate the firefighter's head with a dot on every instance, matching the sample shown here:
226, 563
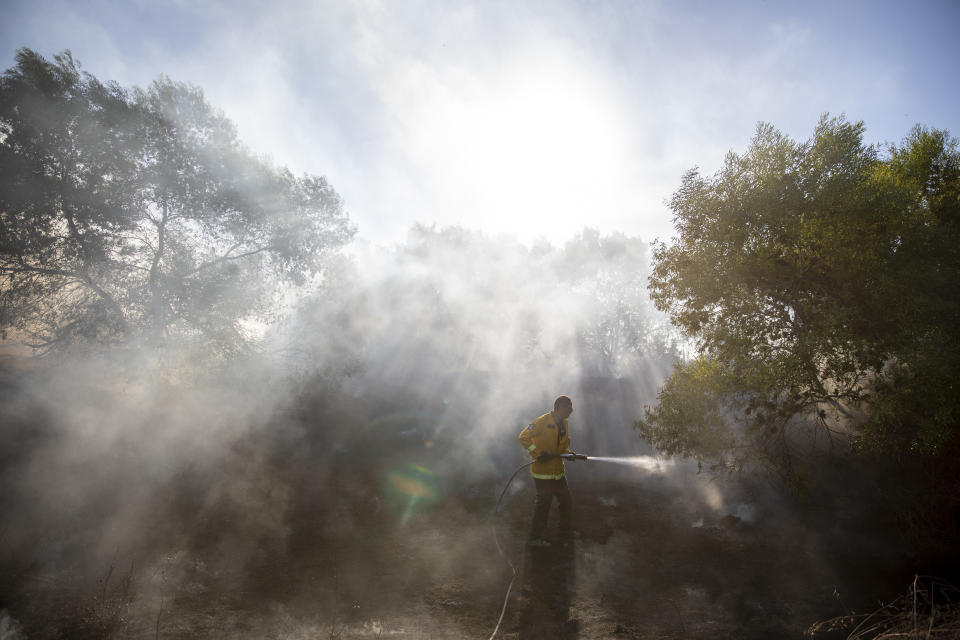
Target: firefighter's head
562, 407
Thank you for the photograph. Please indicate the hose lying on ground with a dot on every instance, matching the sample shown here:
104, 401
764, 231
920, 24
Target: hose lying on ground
500, 549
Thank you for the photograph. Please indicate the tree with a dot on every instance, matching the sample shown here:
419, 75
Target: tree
622, 331
819, 282
139, 216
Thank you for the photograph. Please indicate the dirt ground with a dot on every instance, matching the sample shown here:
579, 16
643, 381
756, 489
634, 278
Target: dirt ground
328, 553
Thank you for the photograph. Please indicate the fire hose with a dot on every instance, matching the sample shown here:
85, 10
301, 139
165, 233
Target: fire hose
543, 458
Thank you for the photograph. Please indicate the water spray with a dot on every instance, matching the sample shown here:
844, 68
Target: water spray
646, 463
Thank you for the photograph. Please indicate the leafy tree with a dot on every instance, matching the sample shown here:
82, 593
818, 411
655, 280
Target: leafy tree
132, 215
819, 281
622, 330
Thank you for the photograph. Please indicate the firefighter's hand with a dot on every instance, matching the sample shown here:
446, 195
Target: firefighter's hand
543, 457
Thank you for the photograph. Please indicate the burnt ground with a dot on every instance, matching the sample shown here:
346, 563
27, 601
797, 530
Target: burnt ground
351, 551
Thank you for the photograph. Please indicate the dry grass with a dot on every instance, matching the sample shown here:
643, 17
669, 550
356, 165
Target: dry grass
930, 609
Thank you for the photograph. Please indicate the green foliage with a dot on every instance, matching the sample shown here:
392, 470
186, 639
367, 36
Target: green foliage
690, 418
819, 282
139, 215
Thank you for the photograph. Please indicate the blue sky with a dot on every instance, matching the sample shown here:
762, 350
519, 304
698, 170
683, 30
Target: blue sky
535, 118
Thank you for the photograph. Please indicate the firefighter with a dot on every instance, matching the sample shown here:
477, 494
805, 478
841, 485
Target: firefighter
546, 438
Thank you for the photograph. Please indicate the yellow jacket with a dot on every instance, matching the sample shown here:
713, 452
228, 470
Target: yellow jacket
546, 436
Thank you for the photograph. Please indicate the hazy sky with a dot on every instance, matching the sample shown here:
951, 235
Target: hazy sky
531, 118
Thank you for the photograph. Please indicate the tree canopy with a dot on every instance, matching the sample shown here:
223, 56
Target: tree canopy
137, 214
820, 282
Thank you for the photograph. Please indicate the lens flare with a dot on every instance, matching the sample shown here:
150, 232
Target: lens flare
409, 488
421, 469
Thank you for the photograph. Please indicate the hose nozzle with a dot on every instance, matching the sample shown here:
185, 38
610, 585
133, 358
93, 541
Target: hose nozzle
564, 456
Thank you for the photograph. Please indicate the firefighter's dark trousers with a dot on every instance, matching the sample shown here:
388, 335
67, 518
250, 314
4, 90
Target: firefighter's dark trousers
546, 491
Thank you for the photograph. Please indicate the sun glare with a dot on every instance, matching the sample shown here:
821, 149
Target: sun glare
537, 148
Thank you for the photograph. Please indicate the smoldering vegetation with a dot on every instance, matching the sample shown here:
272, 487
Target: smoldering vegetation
395, 390
340, 480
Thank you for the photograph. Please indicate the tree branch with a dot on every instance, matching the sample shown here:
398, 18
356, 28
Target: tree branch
227, 258
80, 277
